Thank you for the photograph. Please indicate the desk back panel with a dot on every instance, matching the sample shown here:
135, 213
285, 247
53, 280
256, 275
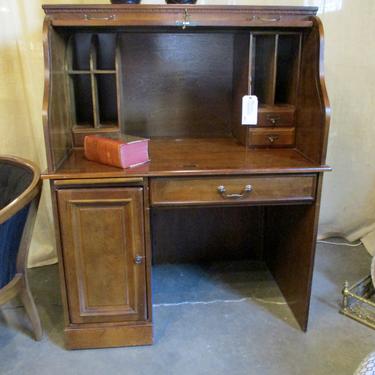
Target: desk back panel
193, 71
184, 235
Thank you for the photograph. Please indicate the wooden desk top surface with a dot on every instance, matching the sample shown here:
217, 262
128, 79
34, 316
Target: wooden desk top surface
194, 156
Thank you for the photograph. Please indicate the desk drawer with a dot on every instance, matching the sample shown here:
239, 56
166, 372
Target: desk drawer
276, 116
271, 137
232, 190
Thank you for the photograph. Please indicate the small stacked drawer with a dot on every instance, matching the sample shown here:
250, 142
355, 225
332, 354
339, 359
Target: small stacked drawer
275, 127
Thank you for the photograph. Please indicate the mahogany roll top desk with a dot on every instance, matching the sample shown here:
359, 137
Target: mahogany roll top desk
214, 189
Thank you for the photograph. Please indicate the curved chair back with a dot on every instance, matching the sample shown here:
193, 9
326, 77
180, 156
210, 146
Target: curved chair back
20, 189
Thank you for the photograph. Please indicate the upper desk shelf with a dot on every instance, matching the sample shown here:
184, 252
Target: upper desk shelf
193, 157
180, 72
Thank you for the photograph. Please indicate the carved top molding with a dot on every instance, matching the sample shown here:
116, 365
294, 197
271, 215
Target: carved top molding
74, 9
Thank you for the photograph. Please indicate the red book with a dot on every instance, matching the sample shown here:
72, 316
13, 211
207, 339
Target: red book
123, 151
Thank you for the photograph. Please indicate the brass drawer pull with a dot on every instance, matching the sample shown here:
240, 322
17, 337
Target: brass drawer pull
264, 19
273, 119
105, 18
222, 191
273, 137
183, 24
186, 21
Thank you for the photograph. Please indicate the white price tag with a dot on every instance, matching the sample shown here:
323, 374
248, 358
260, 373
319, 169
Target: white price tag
249, 110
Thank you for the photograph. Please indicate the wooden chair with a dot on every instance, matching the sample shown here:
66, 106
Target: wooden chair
20, 189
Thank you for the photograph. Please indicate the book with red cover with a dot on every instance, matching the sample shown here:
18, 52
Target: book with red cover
123, 151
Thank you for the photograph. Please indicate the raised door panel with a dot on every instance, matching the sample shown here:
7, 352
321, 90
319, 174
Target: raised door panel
103, 251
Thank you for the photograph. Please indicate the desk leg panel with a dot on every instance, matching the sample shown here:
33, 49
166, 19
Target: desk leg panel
290, 241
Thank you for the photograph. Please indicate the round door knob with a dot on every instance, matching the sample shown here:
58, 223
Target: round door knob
138, 259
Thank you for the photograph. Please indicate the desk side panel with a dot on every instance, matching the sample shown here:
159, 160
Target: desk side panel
290, 251
56, 107
313, 108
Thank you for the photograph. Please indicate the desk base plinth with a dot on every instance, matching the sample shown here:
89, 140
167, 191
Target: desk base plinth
81, 337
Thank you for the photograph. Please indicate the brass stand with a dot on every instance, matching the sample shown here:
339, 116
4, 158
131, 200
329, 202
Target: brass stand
357, 302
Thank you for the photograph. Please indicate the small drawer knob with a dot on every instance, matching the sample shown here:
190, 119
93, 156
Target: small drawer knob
138, 259
274, 119
272, 138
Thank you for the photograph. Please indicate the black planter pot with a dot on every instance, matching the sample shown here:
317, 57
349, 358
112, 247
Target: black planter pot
125, 1
180, 1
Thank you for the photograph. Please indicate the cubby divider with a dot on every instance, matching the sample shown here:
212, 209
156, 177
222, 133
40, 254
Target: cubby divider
274, 69
94, 83
264, 50
106, 51
270, 64
274, 66
107, 102
79, 52
94, 87
81, 95
288, 62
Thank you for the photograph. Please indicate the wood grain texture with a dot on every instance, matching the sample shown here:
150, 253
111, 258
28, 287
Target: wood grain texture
107, 336
242, 45
56, 108
183, 88
60, 255
12, 289
290, 251
204, 190
148, 246
276, 115
167, 15
80, 132
177, 84
313, 108
264, 50
289, 48
27, 196
194, 156
102, 233
271, 137
98, 182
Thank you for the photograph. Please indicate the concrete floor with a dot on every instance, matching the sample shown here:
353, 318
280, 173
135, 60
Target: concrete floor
236, 322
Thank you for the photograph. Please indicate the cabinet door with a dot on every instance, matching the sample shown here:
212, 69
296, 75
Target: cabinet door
104, 256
